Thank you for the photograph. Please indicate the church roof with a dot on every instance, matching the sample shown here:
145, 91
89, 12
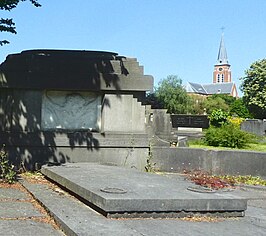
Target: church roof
222, 54
222, 88
195, 88
209, 89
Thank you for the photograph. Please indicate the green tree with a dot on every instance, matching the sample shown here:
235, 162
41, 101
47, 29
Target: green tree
171, 94
198, 107
152, 100
212, 103
229, 100
254, 89
7, 25
239, 109
218, 118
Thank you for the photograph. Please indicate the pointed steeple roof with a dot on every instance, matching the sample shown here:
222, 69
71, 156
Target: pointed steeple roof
222, 54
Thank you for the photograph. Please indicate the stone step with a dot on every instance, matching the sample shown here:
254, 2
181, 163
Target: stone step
74, 217
120, 192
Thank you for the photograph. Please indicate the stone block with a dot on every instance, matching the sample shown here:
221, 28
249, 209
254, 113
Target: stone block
122, 113
217, 162
254, 126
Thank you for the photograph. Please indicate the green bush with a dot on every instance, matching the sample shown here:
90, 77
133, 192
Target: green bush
218, 118
228, 135
7, 173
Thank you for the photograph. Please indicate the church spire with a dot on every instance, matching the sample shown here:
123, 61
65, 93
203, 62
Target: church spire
222, 54
222, 72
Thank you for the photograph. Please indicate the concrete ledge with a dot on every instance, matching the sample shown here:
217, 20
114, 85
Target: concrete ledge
36, 148
218, 162
73, 139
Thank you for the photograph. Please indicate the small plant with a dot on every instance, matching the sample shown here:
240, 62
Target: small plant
7, 172
218, 118
204, 179
150, 167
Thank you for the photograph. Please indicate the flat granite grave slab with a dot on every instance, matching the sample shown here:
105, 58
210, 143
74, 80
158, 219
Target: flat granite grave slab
121, 192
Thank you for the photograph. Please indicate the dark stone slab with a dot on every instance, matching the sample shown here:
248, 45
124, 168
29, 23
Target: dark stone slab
193, 121
18, 209
73, 70
118, 190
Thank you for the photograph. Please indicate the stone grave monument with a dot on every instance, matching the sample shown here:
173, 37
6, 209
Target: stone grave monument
73, 106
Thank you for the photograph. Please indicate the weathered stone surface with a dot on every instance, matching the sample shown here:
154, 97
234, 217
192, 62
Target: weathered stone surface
123, 114
12, 194
254, 126
71, 110
75, 217
79, 219
18, 209
218, 162
60, 105
27, 227
143, 192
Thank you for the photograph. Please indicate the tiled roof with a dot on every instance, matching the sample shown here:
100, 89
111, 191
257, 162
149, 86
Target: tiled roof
208, 89
195, 88
222, 88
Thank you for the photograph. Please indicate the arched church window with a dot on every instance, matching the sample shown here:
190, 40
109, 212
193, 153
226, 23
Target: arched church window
222, 78
218, 78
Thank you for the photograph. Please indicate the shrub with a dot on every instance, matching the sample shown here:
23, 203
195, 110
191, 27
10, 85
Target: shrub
236, 121
228, 135
7, 173
218, 118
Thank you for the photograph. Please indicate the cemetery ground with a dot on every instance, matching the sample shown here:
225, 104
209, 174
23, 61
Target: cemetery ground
36, 206
255, 146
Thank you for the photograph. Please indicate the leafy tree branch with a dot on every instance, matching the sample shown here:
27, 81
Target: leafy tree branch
8, 25
254, 88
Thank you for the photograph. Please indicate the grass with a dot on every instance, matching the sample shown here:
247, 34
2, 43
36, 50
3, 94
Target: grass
258, 146
244, 179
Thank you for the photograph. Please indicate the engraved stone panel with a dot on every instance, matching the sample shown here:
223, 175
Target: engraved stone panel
71, 110
193, 121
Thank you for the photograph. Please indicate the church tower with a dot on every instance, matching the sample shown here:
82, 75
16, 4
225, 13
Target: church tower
222, 72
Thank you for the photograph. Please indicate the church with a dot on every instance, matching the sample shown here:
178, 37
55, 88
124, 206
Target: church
222, 79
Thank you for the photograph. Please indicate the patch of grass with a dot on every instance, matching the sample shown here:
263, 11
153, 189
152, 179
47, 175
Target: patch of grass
256, 146
244, 179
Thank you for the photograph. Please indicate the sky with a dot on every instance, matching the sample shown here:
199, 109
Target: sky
168, 37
